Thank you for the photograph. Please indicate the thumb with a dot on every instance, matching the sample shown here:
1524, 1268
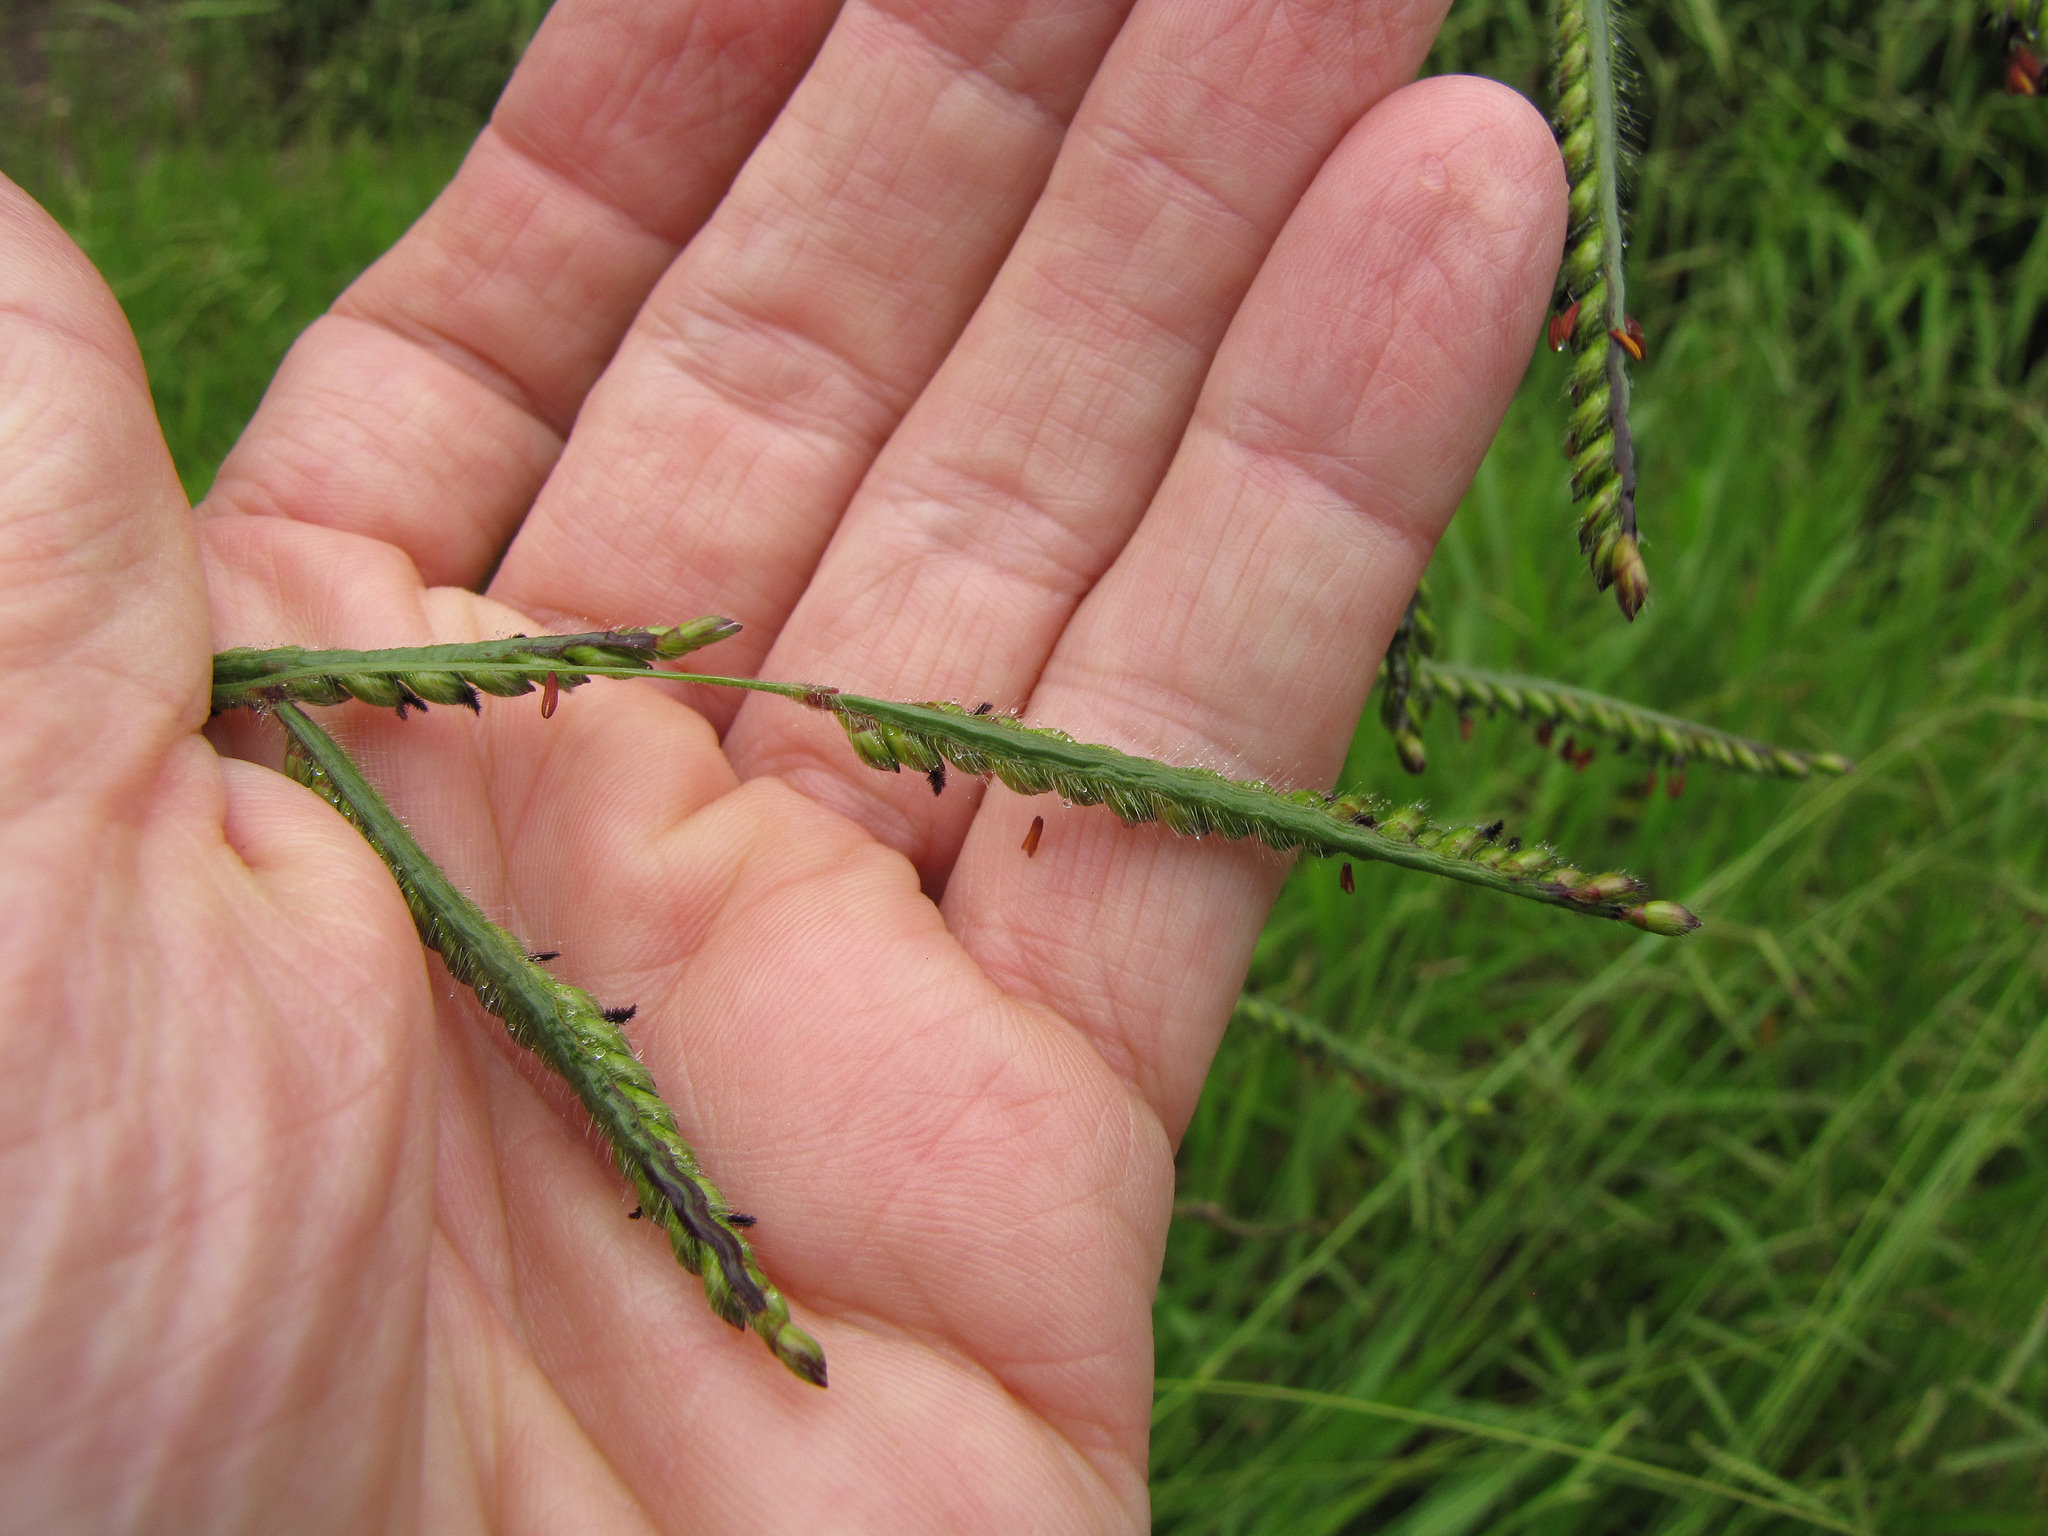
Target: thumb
103, 626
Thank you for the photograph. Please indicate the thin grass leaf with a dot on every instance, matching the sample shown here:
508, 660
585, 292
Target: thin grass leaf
1369, 1067
1647, 1474
1594, 319
579, 1041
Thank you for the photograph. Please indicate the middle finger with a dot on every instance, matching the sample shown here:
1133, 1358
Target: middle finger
712, 461
1022, 471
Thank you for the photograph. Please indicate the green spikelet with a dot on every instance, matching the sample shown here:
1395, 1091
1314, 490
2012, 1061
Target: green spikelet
579, 1041
1598, 441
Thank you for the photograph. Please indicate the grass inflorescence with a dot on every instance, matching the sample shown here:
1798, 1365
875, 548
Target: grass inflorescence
1593, 298
1195, 802
891, 735
414, 677
1667, 740
581, 1043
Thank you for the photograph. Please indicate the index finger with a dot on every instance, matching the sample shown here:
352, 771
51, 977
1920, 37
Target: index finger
428, 406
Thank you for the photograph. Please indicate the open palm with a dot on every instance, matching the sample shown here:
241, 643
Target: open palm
1116, 363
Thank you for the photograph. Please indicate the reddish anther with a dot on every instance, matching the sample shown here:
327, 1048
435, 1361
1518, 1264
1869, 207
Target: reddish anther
1031, 838
1630, 335
2025, 75
1561, 327
1344, 881
550, 696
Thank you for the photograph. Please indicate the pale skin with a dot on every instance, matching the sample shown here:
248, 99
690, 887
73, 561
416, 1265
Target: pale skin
1120, 363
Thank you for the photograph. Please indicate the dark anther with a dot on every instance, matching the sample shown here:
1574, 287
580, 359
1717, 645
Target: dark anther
1543, 732
1490, 831
1344, 881
983, 707
634, 1214
1363, 819
1514, 845
543, 956
735, 1219
937, 778
620, 1015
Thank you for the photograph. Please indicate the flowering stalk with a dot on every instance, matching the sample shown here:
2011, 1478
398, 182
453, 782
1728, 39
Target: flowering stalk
1669, 739
1594, 299
579, 1041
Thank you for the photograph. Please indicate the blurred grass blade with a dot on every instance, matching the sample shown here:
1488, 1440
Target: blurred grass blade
1648, 1474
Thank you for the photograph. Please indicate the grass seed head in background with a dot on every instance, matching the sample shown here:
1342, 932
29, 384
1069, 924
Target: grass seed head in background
1594, 321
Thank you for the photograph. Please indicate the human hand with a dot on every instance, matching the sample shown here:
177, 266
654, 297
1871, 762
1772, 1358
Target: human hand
1120, 369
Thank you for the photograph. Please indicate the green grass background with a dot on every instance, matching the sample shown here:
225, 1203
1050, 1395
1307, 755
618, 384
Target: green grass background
1754, 1233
